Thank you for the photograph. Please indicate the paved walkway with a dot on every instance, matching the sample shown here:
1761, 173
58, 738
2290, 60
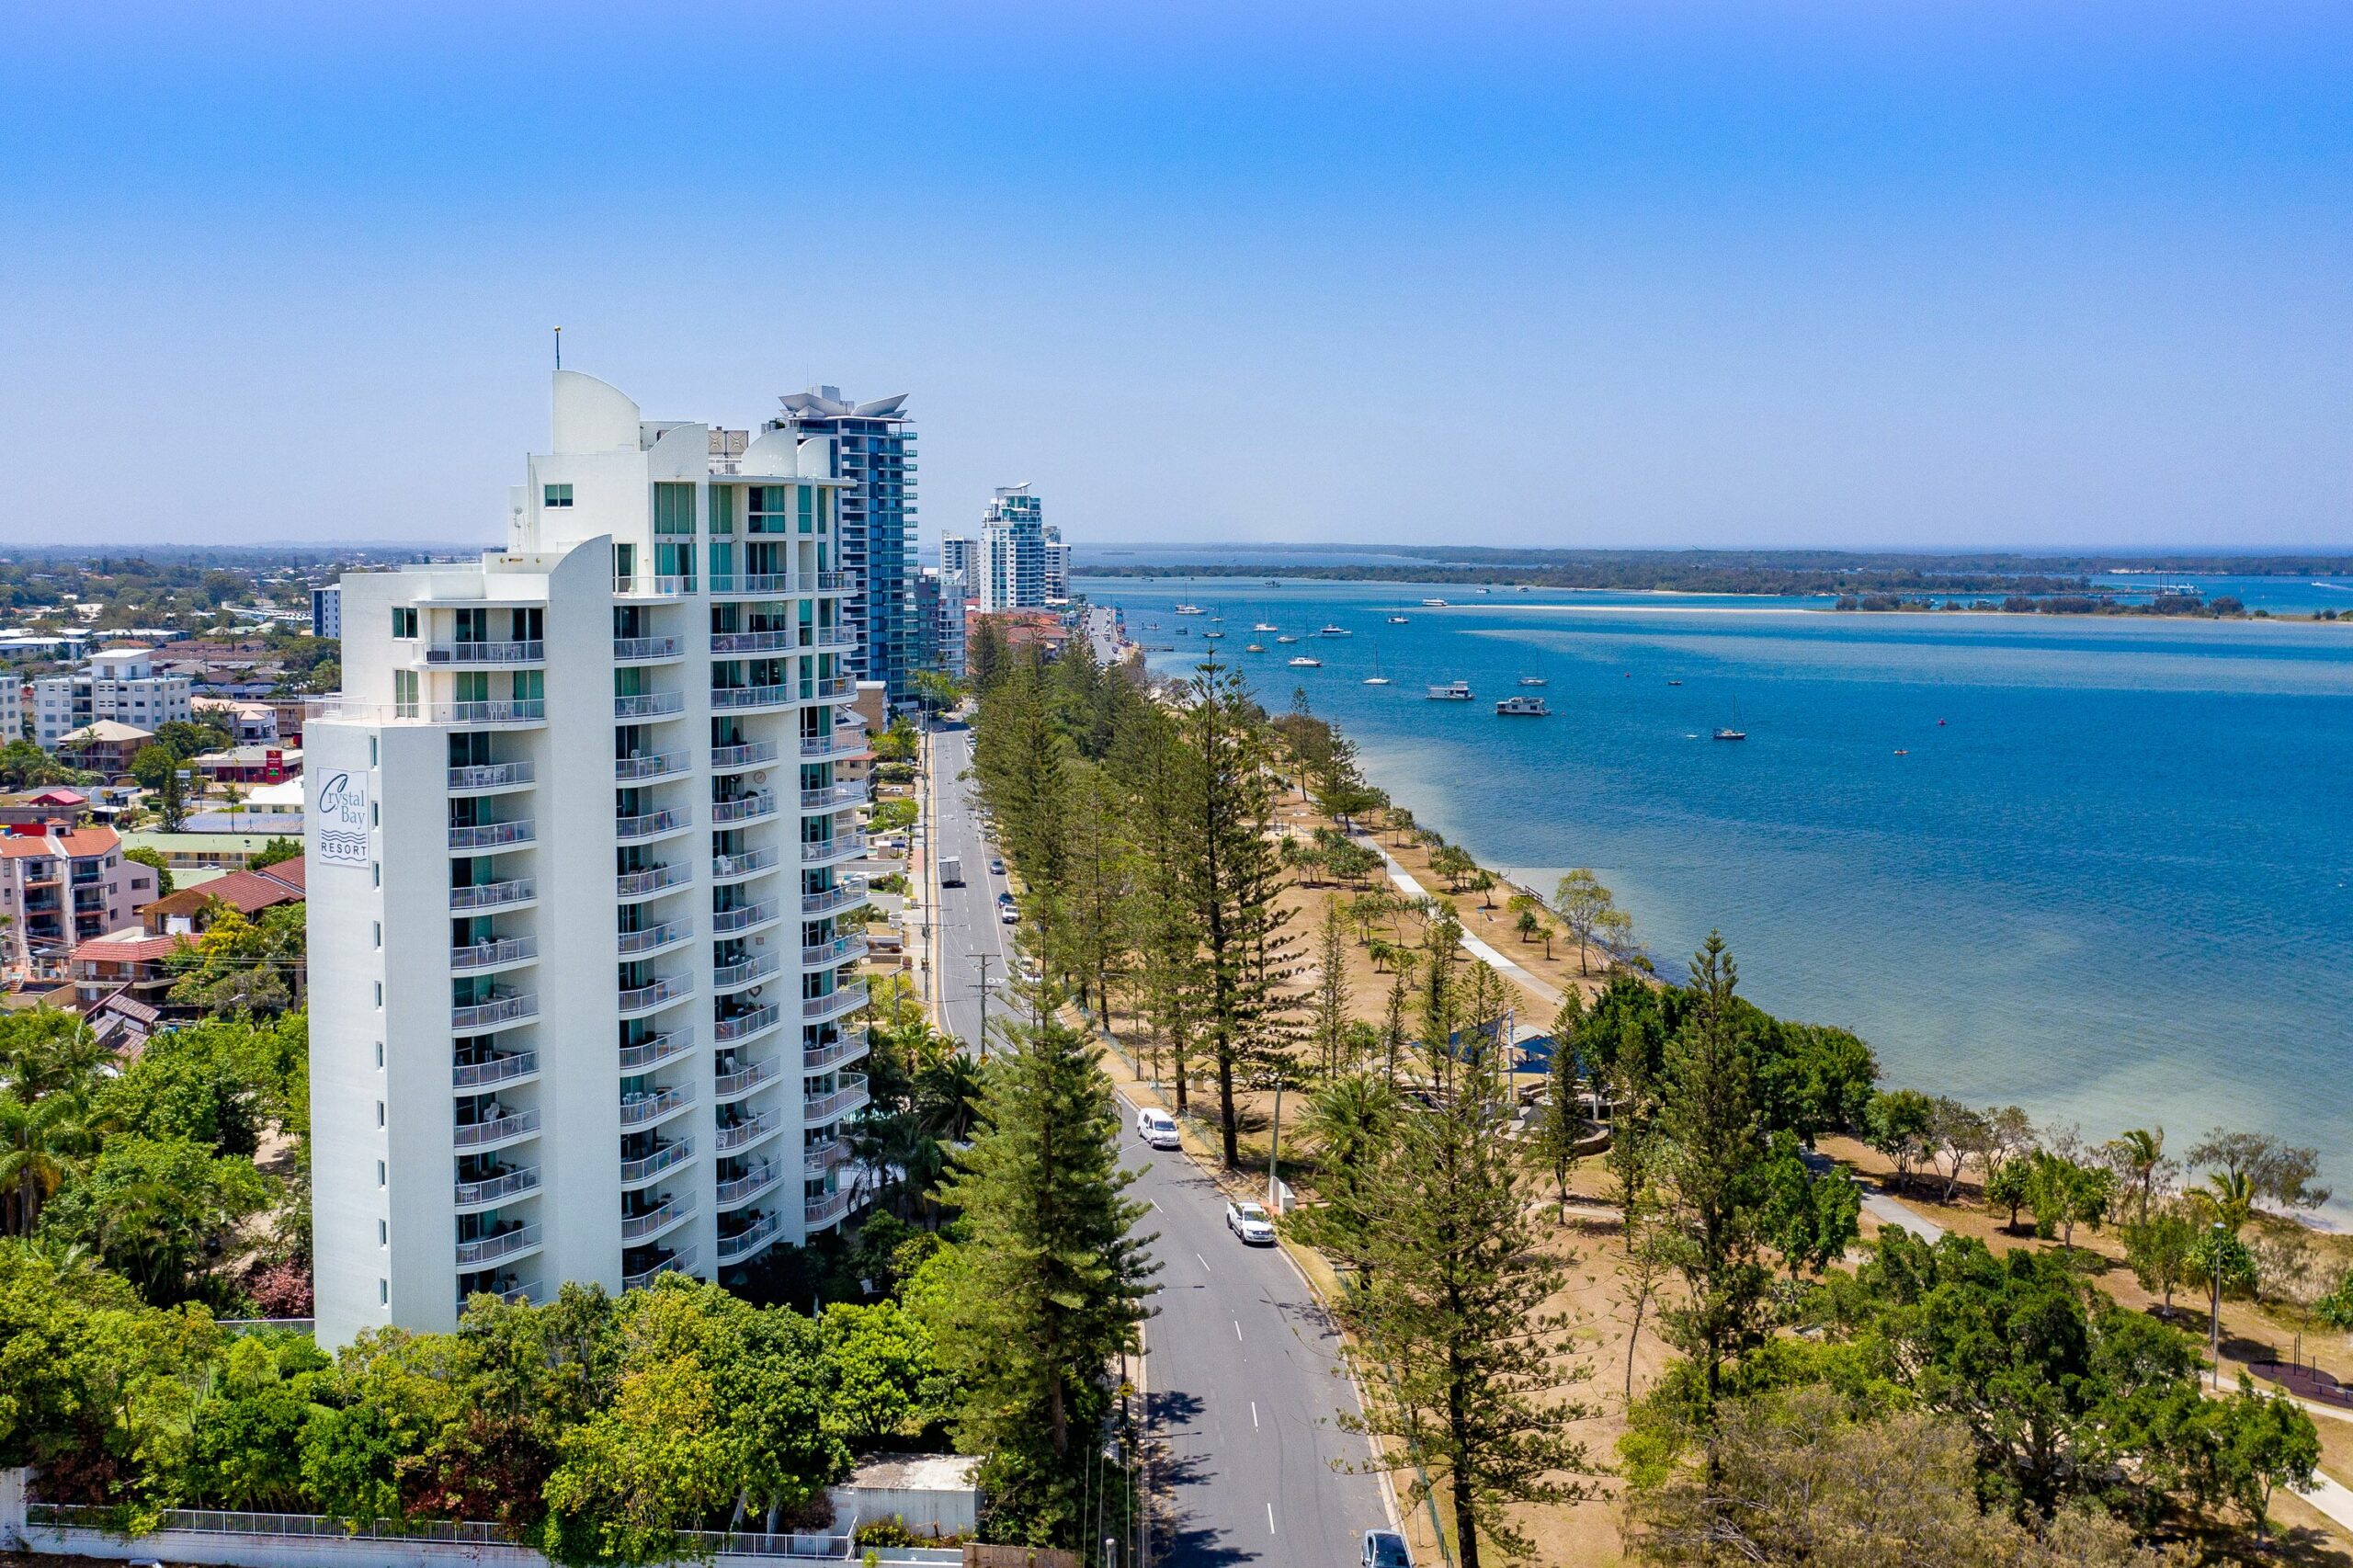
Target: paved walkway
1406, 884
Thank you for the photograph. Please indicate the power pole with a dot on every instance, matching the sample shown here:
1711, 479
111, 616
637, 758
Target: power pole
984, 960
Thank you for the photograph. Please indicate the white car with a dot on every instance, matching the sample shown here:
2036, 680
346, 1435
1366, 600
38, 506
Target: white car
1006, 915
1158, 1129
1249, 1222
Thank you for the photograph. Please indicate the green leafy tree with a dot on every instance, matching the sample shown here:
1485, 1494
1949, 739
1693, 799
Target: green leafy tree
154, 859
2064, 1192
2273, 1172
165, 1211
1561, 1132
1810, 1217
2158, 1247
2009, 1185
1900, 1125
1584, 906
880, 1368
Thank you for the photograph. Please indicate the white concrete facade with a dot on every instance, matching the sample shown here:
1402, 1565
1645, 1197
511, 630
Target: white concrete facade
120, 683
1012, 552
577, 852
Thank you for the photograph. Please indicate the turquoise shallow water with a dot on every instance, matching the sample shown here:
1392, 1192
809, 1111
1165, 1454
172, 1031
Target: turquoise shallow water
2110, 880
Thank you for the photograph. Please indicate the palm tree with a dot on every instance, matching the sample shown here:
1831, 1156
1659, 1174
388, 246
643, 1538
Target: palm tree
40, 1142
2230, 1197
2139, 1151
1349, 1120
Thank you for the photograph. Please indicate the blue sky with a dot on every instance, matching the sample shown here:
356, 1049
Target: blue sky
1658, 273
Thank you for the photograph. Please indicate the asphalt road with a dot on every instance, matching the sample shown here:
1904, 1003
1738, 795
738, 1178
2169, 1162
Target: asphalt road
1242, 1367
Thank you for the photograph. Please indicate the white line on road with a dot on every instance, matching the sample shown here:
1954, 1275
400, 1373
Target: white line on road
1204, 1263
1270, 1518
1237, 1331
1254, 1415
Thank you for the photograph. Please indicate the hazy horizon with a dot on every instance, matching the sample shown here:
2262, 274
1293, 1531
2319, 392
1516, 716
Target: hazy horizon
1641, 277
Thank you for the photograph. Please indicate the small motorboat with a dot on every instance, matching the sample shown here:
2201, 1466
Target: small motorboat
1286, 639
1396, 621
1329, 629
1189, 609
1265, 626
1522, 707
1731, 734
1452, 691
1209, 636
1304, 663
1433, 604
1255, 648
1675, 683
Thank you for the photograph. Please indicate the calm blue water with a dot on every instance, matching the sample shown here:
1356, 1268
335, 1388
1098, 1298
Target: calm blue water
2110, 880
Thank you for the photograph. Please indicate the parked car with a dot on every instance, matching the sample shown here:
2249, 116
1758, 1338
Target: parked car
1006, 915
1157, 1128
1384, 1549
1249, 1222
996, 865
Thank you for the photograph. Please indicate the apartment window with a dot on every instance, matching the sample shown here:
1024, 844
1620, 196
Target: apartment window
674, 509
380, 1180
375, 813
380, 1056
404, 693
376, 878
380, 933
383, 1292
380, 996
371, 751
380, 1113
384, 1233
404, 622
723, 509
556, 495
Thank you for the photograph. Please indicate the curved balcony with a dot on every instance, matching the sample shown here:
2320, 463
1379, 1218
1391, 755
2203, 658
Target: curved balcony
488, 776
651, 824
749, 1239
643, 1110
497, 1013
506, 1069
751, 971
650, 705
818, 1109
513, 1295
841, 949
658, 765
679, 1262
506, 1244
841, 846
750, 1185
669, 1157
849, 792
653, 939
815, 748
817, 1212
835, 687
495, 895
746, 1132
818, 1158
818, 1058
738, 585
735, 1085
670, 988
735, 868
845, 891
744, 810
481, 655
745, 918
493, 955
521, 711
643, 650
491, 835
743, 1025
498, 1189
646, 883
650, 1053
833, 1004
738, 698
834, 640
836, 582
752, 753
649, 586
491, 1134
655, 1222
752, 642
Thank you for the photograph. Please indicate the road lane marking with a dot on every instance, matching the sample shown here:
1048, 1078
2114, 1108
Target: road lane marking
1204, 1263
1237, 1331
1254, 1415
1270, 1518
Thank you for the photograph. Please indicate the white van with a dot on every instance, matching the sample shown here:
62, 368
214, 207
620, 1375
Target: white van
1157, 1128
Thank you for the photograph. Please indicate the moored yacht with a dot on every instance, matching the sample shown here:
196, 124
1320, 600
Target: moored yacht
1453, 692
1523, 707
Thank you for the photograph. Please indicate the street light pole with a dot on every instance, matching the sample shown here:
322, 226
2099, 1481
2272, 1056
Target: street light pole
983, 959
2214, 1329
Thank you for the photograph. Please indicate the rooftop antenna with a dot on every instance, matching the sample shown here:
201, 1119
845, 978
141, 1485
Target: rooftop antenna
559, 348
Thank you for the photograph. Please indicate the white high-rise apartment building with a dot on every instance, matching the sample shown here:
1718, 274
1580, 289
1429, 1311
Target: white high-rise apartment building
120, 683
577, 851
1057, 566
1012, 551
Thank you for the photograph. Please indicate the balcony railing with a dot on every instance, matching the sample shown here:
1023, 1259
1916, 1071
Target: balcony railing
528, 652
750, 696
750, 754
679, 1262
736, 976
833, 1004
842, 845
490, 775
836, 582
840, 1102
633, 650
670, 1156
637, 1112
515, 1124
654, 1221
750, 1185
733, 865
649, 705
817, 1058
490, 1249
745, 1242
489, 955
743, 1025
497, 1069
660, 765
654, 938
508, 1009
735, 1085
841, 895
651, 586
745, 807
818, 1158
492, 895
815, 1211
758, 583
747, 1131
751, 641
836, 686
522, 711
838, 744
850, 792
649, 825
639, 884
834, 640
661, 994
661, 1047
491, 835
743, 919
841, 949
493, 1189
